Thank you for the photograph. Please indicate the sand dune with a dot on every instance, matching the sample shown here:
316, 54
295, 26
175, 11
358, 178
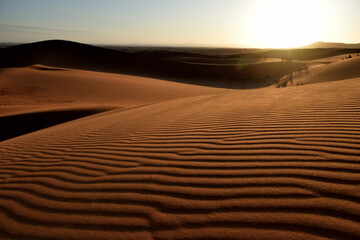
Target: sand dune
336, 70
309, 54
42, 85
40, 96
252, 164
332, 45
165, 160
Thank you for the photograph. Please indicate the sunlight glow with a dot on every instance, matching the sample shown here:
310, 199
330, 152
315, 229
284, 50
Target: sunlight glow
288, 23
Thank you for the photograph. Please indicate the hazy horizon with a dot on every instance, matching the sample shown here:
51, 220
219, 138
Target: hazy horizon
210, 23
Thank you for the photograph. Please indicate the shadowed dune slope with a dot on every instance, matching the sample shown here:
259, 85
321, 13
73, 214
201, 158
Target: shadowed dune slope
14, 125
338, 70
255, 164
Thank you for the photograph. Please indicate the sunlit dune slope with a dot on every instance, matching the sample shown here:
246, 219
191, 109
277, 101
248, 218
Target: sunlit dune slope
41, 87
40, 96
338, 70
256, 164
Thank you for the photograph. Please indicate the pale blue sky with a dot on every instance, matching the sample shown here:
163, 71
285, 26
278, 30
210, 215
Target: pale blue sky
255, 23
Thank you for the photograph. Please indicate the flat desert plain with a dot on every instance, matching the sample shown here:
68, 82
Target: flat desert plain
100, 155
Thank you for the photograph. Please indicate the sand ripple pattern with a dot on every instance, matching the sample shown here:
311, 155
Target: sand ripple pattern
283, 164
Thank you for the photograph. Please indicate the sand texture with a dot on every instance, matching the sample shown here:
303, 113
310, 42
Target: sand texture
252, 164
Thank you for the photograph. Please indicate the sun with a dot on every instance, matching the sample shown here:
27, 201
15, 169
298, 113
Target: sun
287, 23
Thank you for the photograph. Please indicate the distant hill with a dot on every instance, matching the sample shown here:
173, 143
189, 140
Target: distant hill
332, 45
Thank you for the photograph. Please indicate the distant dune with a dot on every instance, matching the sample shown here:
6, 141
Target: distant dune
309, 54
67, 54
253, 164
224, 70
332, 45
343, 69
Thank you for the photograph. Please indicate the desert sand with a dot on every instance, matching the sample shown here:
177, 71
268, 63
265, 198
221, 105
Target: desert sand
39, 96
337, 69
38, 86
156, 159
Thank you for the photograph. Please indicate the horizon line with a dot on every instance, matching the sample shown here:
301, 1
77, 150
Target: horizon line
174, 45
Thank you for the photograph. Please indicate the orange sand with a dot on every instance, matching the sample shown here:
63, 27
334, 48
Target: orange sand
248, 164
152, 159
335, 69
41, 88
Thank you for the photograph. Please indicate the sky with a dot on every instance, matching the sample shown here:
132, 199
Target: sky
219, 23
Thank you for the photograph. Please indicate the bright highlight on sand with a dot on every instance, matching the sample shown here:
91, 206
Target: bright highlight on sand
284, 23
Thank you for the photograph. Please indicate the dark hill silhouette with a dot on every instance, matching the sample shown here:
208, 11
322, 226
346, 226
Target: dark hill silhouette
59, 53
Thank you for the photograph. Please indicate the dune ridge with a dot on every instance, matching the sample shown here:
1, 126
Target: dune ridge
255, 164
